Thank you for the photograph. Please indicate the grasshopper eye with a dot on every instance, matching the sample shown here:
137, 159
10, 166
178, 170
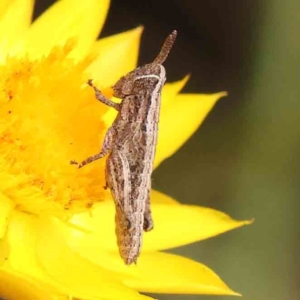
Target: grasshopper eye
123, 87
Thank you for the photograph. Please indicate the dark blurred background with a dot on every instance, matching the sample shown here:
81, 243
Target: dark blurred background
244, 160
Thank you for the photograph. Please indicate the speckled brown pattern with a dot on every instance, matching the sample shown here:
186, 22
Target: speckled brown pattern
130, 144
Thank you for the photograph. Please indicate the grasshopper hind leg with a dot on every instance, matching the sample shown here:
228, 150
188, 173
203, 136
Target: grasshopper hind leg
148, 221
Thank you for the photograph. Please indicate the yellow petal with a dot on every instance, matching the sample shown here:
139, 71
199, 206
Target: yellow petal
174, 225
22, 259
171, 90
81, 277
95, 239
4, 249
67, 19
22, 239
16, 286
167, 273
180, 119
14, 22
158, 197
116, 56
38, 248
7, 207
177, 225
100, 224
3, 6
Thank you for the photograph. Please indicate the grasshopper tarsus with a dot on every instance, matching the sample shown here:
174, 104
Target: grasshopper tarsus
74, 162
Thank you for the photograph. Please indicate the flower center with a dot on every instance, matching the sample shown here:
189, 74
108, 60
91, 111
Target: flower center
48, 116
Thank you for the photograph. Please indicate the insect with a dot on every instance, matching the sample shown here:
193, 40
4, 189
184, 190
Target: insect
130, 144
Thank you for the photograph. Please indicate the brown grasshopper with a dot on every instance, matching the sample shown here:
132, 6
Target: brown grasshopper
130, 144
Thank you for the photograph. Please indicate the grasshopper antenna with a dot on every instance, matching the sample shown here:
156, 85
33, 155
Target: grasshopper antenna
166, 48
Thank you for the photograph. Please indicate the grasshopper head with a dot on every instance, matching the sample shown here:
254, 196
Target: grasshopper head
125, 85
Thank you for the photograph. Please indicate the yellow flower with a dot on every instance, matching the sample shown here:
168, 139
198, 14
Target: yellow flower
57, 222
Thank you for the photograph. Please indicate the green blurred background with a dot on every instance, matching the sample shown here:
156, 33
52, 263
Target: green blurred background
244, 160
